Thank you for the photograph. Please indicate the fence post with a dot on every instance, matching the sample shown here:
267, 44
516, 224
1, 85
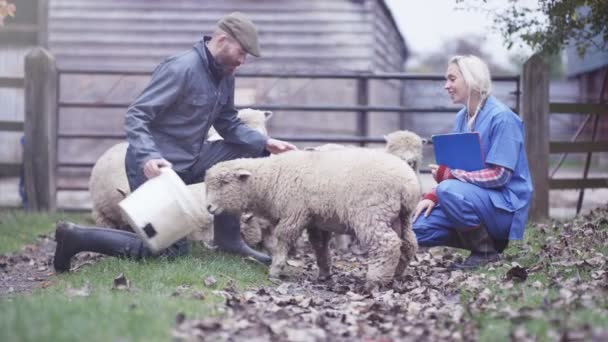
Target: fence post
40, 148
362, 100
535, 114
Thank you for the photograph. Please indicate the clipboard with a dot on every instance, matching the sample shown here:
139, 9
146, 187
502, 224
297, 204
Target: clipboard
459, 151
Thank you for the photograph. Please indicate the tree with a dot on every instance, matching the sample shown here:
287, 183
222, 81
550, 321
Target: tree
437, 61
552, 24
6, 10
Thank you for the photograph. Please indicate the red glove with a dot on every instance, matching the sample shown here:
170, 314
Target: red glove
431, 196
443, 173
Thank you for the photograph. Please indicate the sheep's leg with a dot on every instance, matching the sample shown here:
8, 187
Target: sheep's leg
384, 250
342, 242
319, 239
102, 220
287, 232
409, 246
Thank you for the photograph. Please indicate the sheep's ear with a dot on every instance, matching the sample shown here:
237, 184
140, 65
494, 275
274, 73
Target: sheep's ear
385, 138
268, 114
122, 192
425, 141
242, 174
247, 217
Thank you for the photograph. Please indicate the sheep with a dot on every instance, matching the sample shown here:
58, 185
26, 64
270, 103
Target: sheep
407, 146
108, 183
404, 144
369, 193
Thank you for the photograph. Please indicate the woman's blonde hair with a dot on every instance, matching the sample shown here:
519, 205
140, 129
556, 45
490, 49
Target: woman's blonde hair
477, 77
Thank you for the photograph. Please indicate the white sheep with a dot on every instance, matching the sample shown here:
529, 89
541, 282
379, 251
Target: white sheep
108, 184
404, 144
369, 193
407, 146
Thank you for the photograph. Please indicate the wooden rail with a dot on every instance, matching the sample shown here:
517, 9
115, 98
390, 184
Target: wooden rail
11, 169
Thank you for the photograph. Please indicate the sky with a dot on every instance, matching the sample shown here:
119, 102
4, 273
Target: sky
427, 24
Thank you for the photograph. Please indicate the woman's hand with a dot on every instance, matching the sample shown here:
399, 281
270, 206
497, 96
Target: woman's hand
434, 168
425, 205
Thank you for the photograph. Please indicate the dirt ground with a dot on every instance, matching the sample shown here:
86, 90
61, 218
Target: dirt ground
424, 304
30, 269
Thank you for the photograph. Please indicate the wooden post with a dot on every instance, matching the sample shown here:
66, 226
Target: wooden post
535, 114
43, 23
362, 100
40, 148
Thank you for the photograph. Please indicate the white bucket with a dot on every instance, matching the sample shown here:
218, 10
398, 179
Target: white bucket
162, 210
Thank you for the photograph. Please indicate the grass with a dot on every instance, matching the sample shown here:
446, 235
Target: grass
145, 312
535, 298
18, 228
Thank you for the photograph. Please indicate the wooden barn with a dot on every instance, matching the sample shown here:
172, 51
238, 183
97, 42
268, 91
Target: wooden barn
100, 46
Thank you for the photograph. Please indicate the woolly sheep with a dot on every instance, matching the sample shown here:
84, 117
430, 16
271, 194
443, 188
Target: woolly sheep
404, 144
108, 184
368, 193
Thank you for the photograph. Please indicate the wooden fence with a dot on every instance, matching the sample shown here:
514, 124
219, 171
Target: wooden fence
536, 111
41, 95
39, 127
11, 169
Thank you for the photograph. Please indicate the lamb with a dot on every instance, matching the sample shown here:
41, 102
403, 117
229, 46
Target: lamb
108, 184
407, 146
404, 144
369, 193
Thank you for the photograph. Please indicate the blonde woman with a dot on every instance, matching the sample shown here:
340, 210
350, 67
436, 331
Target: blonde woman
479, 210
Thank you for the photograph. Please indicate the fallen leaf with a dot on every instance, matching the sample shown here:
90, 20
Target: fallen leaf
198, 295
121, 283
210, 281
295, 263
517, 273
84, 291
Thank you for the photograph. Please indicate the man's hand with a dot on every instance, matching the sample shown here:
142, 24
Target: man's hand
425, 204
276, 146
152, 167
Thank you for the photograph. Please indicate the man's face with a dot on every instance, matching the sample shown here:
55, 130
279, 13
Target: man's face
455, 86
230, 55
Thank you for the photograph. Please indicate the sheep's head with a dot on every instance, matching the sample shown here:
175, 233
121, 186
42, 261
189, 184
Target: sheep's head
253, 118
407, 146
227, 185
255, 230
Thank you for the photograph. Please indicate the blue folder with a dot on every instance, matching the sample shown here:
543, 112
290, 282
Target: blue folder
459, 151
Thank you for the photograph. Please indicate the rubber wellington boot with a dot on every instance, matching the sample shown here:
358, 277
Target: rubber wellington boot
227, 238
72, 239
482, 246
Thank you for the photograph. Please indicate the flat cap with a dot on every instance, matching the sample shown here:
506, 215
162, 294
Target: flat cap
243, 30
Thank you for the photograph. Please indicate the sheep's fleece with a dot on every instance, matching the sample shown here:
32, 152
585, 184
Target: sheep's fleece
369, 193
404, 144
108, 184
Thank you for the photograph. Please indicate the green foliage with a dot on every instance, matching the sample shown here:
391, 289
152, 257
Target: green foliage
556, 299
550, 25
84, 303
18, 227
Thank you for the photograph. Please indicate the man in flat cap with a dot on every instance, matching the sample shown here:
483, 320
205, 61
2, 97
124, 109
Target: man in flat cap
167, 126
